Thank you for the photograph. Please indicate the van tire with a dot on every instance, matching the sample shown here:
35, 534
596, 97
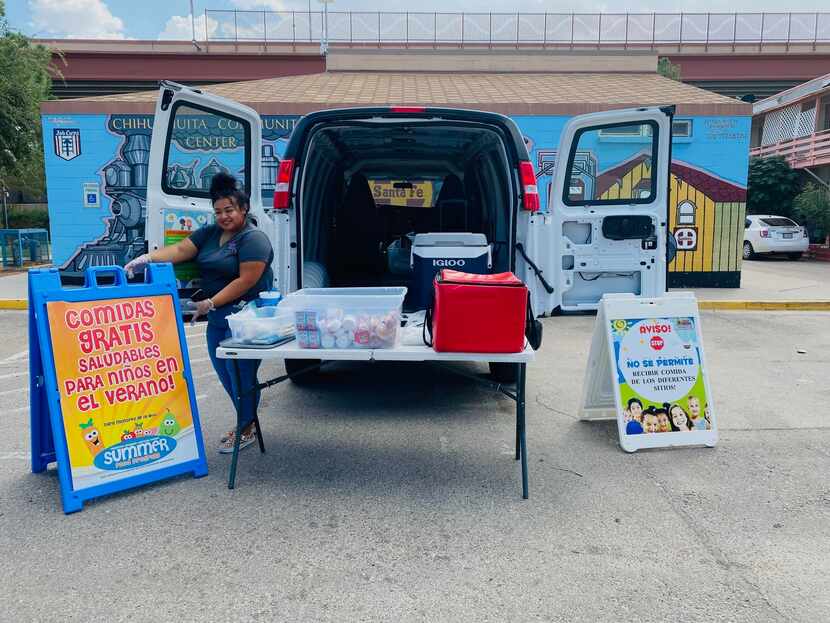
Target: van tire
794, 256
293, 367
502, 372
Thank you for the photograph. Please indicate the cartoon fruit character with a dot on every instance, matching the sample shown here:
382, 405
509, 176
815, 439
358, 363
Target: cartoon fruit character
127, 435
138, 430
92, 438
169, 425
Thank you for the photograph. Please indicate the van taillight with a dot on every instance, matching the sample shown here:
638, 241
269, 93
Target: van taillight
764, 233
282, 190
530, 192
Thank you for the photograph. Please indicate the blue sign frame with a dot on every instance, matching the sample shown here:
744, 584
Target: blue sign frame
48, 441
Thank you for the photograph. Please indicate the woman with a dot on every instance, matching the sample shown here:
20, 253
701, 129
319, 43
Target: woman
234, 260
679, 418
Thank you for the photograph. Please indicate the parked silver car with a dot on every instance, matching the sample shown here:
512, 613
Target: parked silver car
767, 234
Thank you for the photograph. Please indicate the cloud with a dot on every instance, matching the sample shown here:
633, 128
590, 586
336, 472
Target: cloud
82, 19
179, 27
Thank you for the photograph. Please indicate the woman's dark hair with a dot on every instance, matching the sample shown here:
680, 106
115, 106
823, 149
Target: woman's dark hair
669, 407
224, 186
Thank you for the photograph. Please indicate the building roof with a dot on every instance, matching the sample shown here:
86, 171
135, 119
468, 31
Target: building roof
811, 88
507, 93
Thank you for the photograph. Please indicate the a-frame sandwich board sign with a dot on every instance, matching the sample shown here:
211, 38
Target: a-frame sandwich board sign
647, 369
111, 392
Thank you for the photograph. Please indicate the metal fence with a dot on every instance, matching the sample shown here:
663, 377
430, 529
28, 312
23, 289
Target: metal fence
572, 30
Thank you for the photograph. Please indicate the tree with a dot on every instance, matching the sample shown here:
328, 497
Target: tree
667, 69
812, 206
772, 186
25, 81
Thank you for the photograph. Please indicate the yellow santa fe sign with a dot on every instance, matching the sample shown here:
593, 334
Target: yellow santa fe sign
402, 193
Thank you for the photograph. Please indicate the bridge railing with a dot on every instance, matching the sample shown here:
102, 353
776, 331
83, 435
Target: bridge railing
573, 30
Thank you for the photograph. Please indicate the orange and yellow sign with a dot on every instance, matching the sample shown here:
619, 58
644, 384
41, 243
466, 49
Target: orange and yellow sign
124, 394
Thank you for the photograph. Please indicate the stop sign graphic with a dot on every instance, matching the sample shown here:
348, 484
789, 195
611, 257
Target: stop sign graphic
657, 342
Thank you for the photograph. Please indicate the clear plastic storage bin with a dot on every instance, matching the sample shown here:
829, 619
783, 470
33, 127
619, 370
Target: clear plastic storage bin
261, 325
346, 317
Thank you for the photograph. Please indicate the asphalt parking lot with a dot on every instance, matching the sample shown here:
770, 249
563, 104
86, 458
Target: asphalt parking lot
390, 493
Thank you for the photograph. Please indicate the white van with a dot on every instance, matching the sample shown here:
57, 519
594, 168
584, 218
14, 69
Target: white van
354, 186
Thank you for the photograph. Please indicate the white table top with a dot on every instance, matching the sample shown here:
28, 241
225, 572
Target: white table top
402, 352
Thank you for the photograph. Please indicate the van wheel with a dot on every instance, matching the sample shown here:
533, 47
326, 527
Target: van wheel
794, 256
502, 372
749, 252
295, 367
556, 311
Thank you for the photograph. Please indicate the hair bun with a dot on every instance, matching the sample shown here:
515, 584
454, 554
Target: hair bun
222, 185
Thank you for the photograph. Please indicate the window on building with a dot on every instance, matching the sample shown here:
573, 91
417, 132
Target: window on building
682, 128
686, 213
624, 130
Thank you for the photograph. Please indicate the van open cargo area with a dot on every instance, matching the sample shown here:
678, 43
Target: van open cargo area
368, 186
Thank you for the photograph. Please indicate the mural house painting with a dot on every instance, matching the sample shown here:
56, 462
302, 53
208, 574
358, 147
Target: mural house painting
706, 216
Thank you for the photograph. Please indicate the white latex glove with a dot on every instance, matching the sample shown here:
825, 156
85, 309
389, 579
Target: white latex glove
201, 309
137, 263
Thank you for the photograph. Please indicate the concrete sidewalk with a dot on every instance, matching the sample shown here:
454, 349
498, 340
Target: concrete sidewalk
775, 279
766, 280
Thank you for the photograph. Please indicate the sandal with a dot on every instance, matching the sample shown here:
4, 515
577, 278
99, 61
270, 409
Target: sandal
226, 443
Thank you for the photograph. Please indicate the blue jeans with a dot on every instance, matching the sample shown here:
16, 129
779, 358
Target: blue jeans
218, 330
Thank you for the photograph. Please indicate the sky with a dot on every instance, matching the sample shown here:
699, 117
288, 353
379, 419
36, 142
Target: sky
170, 19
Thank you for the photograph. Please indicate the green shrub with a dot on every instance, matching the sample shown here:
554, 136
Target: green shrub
812, 206
27, 217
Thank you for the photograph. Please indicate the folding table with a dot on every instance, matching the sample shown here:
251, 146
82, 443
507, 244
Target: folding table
419, 353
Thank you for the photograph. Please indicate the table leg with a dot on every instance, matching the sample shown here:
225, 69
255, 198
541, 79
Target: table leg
518, 451
238, 436
520, 422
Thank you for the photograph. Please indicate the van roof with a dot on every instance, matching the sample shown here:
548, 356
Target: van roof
506, 93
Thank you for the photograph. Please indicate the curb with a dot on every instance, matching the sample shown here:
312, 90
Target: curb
22, 304
765, 305
14, 304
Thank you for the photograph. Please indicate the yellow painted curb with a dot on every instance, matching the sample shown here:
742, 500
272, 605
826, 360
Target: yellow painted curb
725, 305
766, 305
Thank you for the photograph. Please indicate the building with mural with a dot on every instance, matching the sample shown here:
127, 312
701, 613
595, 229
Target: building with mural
97, 148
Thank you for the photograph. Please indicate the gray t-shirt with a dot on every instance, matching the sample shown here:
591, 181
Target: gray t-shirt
219, 265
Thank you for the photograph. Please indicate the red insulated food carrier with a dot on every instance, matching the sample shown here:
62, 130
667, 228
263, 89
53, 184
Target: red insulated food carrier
479, 313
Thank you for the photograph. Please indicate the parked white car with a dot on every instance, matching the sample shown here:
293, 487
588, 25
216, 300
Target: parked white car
766, 233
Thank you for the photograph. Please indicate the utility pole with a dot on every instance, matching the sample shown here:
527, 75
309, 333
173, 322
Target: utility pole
193, 26
324, 40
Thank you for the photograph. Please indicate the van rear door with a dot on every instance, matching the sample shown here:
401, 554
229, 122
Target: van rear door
608, 206
195, 136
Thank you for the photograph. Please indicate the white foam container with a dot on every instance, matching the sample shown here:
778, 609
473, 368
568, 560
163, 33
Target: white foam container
346, 317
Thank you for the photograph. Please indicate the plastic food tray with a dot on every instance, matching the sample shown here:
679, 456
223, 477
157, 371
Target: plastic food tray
346, 317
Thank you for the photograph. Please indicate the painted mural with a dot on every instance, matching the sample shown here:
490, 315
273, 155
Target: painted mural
96, 170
